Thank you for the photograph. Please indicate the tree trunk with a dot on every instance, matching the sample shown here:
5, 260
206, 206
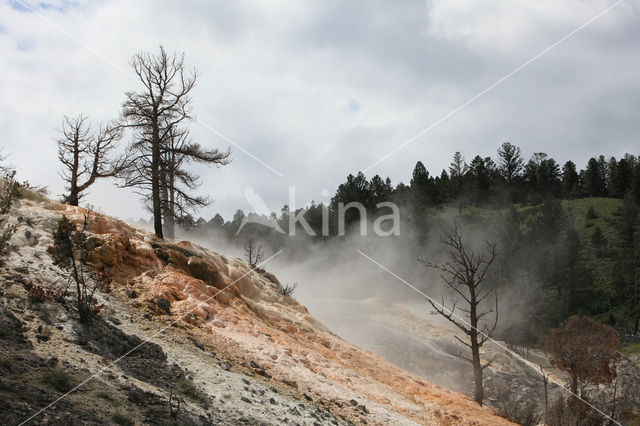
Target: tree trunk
635, 295
545, 380
477, 370
155, 182
72, 199
475, 348
168, 196
172, 199
615, 400
167, 210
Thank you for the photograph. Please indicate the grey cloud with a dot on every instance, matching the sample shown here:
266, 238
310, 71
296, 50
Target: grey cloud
279, 80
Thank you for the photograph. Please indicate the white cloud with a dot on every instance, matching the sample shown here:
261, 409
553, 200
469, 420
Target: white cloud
502, 25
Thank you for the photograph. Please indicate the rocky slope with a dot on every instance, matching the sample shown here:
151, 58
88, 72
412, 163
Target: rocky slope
427, 347
421, 344
186, 336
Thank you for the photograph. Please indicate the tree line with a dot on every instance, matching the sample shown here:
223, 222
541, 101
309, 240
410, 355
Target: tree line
483, 182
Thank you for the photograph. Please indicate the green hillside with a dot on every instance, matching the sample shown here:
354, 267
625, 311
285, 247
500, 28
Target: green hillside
561, 258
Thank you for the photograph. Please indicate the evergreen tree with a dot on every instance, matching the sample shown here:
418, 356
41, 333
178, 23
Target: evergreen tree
233, 227
594, 183
570, 179
457, 169
355, 189
604, 173
542, 175
216, 222
627, 226
621, 175
381, 190
635, 183
481, 171
421, 186
510, 163
443, 188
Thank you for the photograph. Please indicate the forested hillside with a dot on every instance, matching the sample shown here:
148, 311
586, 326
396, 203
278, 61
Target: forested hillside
568, 238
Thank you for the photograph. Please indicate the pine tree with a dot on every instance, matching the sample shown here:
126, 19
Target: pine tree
510, 163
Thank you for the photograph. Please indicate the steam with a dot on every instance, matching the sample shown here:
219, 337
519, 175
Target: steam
366, 305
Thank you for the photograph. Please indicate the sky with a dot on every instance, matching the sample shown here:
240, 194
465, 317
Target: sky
307, 92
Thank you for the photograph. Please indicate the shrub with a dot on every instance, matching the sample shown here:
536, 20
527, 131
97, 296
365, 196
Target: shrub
253, 253
570, 411
188, 389
38, 294
8, 192
69, 249
287, 290
164, 304
58, 379
524, 415
122, 419
586, 349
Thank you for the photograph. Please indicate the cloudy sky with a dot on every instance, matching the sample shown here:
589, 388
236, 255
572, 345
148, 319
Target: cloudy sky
319, 89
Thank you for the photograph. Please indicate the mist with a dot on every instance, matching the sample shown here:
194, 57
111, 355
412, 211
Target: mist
366, 304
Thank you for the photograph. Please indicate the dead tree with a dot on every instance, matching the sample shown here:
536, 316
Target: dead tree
287, 290
161, 104
178, 181
545, 382
156, 113
87, 155
253, 253
69, 250
471, 278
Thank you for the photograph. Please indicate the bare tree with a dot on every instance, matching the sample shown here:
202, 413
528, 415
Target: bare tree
253, 253
159, 146
87, 155
287, 290
545, 382
176, 179
69, 250
161, 104
471, 278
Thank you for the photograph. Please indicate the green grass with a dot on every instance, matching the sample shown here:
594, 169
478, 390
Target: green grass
629, 350
605, 208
